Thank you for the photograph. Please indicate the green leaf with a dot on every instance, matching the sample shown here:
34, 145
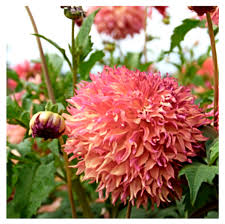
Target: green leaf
37, 107
83, 41
55, 108
56, 62
144, 67
11, 74
54, 147
214, 151
180, 31
63, 52
135, 213
23, 147
42, 185
212, 215
132, 60
16, 114
35, 183
196, 174
86, 66
15, 208
26, 104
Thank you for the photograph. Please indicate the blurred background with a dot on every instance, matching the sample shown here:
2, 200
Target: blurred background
21, 45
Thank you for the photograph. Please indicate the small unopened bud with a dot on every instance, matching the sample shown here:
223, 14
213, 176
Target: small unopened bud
200, 10
109, 47
75, 13
166, 20
46, 124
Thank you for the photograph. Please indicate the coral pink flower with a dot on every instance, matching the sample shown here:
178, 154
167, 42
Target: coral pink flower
119, 21
207, 68
25, 71
130, 132
15, 133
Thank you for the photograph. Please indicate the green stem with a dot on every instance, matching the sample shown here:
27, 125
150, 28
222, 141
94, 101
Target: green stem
216, 72
68, 177
128, 213
74, 60
146, 36
43, 61
82, 198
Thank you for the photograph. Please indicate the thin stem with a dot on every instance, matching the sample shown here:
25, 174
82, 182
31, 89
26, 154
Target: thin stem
146, 36
128, 213
68, 177
216, 72
74, 62
43, 61
82, 197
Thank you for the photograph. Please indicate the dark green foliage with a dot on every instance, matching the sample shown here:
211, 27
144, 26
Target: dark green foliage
196, 174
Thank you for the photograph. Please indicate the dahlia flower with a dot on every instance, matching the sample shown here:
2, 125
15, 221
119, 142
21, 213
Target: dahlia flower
207, 68
25, 71
15, 133
119, 21
131, 131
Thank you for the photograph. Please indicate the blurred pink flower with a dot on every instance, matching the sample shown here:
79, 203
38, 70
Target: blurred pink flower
130, 132
25, 71
161, 10
214, 17
119, 21
207, 68
15, 133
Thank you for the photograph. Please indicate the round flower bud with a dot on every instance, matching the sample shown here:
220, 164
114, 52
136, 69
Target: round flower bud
200, 10
75, 13
47, 124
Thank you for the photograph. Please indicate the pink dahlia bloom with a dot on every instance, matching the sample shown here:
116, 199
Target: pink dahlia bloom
15, 133
130, 131
119, 21
25, 71
207, 68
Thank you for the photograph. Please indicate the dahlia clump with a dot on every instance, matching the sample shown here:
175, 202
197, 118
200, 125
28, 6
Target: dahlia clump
119, 21
131, 131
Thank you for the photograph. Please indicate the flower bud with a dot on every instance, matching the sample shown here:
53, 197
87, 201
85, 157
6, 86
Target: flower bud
200, 10
47, 124
108, 46
75, 13
166, 20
